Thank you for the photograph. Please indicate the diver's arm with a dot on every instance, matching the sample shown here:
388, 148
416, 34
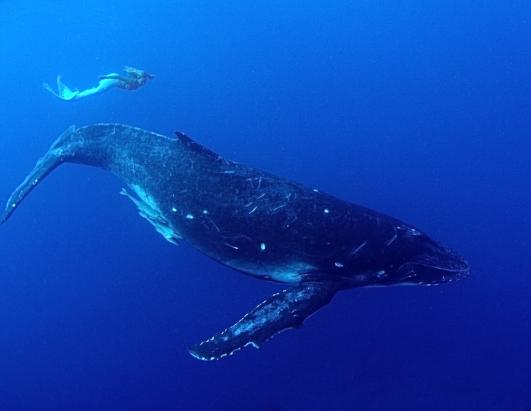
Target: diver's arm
113, 76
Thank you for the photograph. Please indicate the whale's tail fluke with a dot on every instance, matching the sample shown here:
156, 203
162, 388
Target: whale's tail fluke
53, 158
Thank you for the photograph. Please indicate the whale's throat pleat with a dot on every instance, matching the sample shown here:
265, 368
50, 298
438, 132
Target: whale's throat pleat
150, 210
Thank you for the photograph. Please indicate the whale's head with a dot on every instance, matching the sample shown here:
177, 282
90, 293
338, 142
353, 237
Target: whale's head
422, 261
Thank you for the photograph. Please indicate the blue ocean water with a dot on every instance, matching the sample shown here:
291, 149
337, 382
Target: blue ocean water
417, 109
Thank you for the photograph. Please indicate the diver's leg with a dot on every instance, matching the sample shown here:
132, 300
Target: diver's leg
103, 85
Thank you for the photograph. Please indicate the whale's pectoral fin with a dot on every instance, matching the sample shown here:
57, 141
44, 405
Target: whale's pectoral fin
149, 209
283, 310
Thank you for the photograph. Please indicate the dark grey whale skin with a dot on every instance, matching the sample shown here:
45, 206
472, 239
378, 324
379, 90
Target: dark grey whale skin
254, 222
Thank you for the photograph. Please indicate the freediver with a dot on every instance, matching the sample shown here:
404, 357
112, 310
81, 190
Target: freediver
131, 80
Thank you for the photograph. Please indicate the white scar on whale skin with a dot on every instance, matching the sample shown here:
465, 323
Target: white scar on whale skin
284, 273
150, 210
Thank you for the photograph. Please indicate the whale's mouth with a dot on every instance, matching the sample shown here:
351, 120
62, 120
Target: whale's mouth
437, 266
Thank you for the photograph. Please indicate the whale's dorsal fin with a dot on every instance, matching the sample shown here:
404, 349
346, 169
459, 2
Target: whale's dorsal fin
283, 310
195, 146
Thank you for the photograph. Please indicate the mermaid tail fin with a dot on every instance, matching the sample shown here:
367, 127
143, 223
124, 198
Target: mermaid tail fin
63, 91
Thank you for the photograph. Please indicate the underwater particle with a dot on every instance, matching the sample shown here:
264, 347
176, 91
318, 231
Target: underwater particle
189, 216
339, 265
174, 209
205, 211
326, 211
262, 246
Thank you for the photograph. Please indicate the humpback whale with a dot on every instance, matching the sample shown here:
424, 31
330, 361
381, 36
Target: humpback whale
254, 222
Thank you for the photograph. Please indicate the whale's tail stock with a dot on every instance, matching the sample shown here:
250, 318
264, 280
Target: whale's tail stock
58, 153
90, 145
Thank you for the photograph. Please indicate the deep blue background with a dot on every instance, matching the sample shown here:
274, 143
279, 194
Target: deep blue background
417, 109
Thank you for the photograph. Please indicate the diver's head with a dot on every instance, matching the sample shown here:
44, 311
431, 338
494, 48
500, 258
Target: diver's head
138, 73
